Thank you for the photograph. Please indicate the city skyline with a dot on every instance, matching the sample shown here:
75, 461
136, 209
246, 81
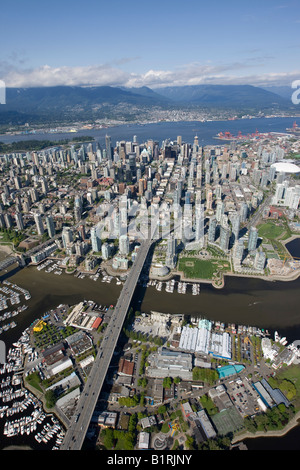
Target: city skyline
163, 45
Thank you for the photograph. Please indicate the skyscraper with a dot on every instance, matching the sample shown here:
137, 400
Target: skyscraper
39, 223
238, 251
224, 237
243, 212
67, 236
235, 221
50, 226
252, 241
199, 225
260, 261
96, 242
171, 253
19, 221
212, 230
124, 244
108, 147
219, 211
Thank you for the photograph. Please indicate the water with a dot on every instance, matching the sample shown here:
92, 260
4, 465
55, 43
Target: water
290, 441
244, 301
206, 131
294, 248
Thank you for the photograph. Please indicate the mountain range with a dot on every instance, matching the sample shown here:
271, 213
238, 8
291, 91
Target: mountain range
75, 103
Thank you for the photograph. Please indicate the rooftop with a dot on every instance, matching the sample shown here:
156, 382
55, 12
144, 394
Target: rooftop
286, 167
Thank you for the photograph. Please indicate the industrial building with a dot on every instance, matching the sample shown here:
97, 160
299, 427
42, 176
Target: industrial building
80, 317
67, 383
79, 342
59, 366
204, 341
270, 397
166, 363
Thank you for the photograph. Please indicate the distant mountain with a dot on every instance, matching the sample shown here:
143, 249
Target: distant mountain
284, 91
69, 104
60, 97
241, 96
148, 92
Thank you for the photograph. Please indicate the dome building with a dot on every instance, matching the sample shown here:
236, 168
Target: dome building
286, 167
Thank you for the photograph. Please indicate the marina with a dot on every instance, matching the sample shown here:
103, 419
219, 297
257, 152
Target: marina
10, 295
21, 412
172, 285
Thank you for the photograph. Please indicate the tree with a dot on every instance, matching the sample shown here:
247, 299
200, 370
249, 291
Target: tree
107, 436
162, 409
132, 423
167, 382
206, 375
50, 398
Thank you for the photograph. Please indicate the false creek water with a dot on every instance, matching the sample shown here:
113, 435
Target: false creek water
244, 301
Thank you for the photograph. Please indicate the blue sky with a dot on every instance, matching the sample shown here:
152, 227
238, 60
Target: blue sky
157, 43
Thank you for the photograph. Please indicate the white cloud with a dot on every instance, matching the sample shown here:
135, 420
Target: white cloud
71, 76
108, 74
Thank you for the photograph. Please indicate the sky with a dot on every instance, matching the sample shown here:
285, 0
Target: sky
153, 43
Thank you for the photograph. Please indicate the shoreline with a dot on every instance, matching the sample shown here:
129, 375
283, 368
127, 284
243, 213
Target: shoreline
295, 422
288, 278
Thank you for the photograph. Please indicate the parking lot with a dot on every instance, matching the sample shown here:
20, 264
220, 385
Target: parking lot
243, 396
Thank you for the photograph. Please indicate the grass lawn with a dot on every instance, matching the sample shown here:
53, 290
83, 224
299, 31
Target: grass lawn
270, 230
291, 373
201, 269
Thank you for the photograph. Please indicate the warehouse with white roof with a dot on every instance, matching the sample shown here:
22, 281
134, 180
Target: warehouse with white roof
204, 341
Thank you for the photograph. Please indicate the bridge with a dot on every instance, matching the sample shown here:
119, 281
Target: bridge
9, 261
81, 419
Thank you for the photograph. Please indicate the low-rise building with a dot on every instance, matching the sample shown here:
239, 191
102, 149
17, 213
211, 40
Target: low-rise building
167, 363
143, 440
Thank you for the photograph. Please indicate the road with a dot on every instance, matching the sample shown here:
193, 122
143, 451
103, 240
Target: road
257, 216
76, 433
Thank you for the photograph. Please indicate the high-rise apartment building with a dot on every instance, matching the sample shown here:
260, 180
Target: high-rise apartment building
39, 223
50, 226
224, 237
252, 240
95, 239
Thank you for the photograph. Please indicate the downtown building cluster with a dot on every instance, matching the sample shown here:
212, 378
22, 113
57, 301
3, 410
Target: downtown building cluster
91, 201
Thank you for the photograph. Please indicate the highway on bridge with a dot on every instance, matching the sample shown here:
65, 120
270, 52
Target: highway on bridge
76, 433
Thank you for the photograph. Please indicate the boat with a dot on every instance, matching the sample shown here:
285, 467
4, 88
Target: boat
295, 129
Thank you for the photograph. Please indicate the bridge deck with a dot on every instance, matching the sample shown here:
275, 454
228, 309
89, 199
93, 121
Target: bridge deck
75, 435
